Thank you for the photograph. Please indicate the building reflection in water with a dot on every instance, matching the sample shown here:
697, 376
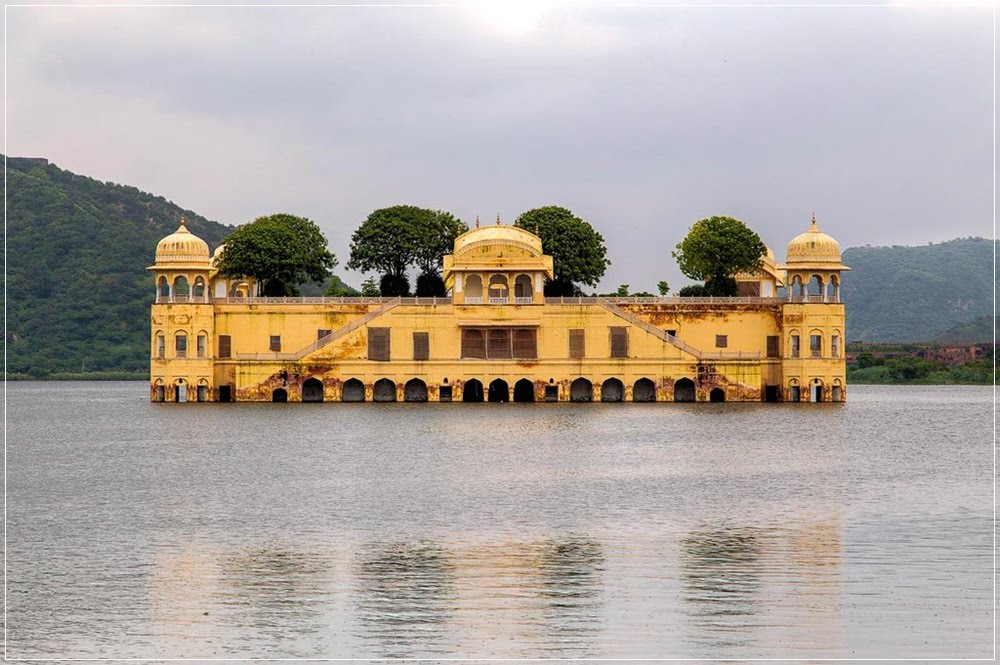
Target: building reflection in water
405, 597
570, 577
756, 591
502, 599
255, 601
276, 594
721, 578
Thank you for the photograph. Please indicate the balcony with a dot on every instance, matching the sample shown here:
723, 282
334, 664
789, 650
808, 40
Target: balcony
502, 300
523, 300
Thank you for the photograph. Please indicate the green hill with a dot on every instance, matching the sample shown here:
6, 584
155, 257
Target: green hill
78, 294
912, 294
971, 332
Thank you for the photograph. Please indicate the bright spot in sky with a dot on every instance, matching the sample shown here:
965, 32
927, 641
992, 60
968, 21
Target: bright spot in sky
514, 17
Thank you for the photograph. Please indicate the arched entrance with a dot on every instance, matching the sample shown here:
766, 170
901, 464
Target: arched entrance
612, 390
279, 395
816, 391
684, 390
524, 391
384, 390
644, 390
415, 391
353, 391
312, 390
717, 395
180, 391
581, 390
837, 391
472, 391
499, 391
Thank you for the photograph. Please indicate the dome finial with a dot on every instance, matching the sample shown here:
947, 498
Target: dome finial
182, 228
498, 219
477, 221
814, 221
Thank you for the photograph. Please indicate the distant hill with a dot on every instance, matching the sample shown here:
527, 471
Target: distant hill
972, 332
913, 294
78, 293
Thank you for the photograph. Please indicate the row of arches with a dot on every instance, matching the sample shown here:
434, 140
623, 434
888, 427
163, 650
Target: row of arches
499, 390
182, 287
498, 286
826, 290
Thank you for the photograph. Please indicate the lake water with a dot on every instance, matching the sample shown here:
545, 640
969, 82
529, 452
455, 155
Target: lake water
499, 530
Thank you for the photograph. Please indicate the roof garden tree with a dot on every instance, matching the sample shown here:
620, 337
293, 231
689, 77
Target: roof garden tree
715, 250
578, 252
280, 252
393, 239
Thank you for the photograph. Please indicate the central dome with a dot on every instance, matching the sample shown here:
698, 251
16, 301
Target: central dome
182, 246
498, 234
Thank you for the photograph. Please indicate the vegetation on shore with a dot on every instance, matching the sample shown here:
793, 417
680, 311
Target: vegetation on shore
78, 293
918, 364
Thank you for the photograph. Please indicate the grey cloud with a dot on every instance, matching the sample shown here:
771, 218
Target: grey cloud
642, 120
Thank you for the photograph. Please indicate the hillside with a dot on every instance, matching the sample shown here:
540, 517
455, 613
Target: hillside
971, 332
78, 294
912, 294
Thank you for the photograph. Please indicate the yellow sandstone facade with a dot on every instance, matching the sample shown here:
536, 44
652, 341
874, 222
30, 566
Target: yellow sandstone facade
497, 338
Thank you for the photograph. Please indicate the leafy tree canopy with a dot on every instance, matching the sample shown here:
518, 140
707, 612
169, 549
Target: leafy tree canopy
716, 249
577, 250
392, 239
280, 251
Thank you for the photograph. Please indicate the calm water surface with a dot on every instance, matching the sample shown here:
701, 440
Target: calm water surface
503, 530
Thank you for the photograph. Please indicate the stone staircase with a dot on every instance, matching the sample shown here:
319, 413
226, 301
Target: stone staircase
347, 329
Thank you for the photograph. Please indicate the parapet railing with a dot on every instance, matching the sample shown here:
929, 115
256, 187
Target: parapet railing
559, 300
668, 300
330, 300
198, 300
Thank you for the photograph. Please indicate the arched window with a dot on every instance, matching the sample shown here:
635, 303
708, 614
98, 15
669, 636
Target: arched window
163, 288
201, 344
498, 289
160, 349
181, 287
522, 289
815, 344
180, 345
815, 285
794, 391
794, 344
199, 287
833, 290
796, 286
474, 289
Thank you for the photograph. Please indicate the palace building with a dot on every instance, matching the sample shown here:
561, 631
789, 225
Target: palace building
497, 337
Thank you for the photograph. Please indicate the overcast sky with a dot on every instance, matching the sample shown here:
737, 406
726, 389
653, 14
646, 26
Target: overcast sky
641, 120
